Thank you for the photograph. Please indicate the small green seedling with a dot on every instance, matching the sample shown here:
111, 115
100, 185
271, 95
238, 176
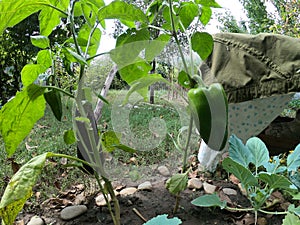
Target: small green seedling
260, 176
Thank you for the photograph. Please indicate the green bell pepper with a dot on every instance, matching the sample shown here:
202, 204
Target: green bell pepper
209, 108
53, 98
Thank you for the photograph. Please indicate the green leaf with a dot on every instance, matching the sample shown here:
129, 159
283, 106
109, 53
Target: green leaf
183, 79
293, 159
296, 196
73, 56
89, 13
206, 13
259, 151
187, 13
69, 137
44, 58
163, 220
177, 183
13, 12
275, 181
209, 201
208, 3
30, 73
83, 38
53, 98
49, 18
110, 140
291, 219
142, 83
19, 189
17, 117
242, 173
167, 17
40, 41
293, 209
239, 152
202, 43
125, 148
122, 11
135, 71
155, 47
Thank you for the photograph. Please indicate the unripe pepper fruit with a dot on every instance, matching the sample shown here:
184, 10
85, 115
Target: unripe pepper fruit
209, 108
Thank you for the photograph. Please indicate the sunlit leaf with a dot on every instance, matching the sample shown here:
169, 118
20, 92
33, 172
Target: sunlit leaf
109, 140
202, 43
208, 3
240, 172
40, 41
187, 13
30, 73
17, 117
209, 201
19, 189
163, 220
73, 56
44, 58
49, 18
155, 47
177, 183
206, 13
121, 10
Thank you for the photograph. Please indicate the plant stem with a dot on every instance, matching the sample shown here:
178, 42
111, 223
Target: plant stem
61, 90
176, 203
187, 145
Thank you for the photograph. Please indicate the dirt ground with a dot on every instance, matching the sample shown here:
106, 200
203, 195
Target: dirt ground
149, 204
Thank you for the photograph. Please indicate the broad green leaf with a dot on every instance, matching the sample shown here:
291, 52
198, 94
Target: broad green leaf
202, 43
53, 98
240, 172
208, 3
122, 11
49, 18
142, 83
275, 181
17, 117
128, 47
163, 220
110, 140
40, 41
155, 47
73, 56
69, 137
239, 152
293, 159
296, 196
206, 13
274, 166
187, 13
19, 189
177, 183
89, 13
44, 58
135, 71
293, 209
183, 79
30, 73
167, 17
13, 12
294, 177
83, 38
259, 151
209, 201
97, 3
291, 219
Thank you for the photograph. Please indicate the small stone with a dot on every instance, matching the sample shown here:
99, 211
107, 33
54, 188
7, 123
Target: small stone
35, 220
209, 188
229, 191
262, 221
73, 211
128, 191
195, 183
145, 186
100, 200
163, 170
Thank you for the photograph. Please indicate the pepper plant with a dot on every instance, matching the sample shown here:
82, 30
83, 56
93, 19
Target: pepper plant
260, 176
18, 116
